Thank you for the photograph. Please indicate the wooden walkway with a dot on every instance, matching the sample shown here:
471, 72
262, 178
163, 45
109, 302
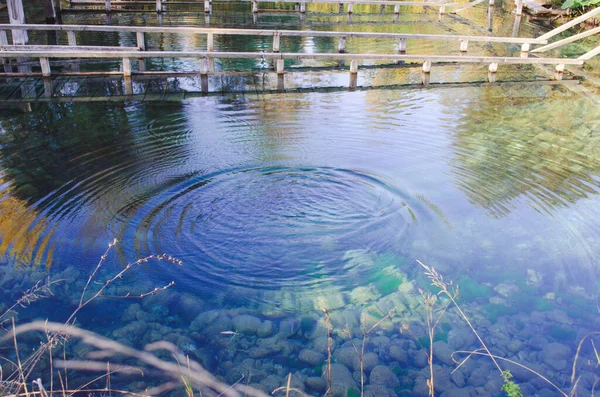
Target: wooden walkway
36, 60
160, 6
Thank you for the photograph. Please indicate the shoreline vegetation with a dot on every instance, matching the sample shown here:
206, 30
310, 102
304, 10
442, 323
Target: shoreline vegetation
55, 368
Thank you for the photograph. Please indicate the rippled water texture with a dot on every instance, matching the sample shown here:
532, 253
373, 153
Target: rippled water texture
302, 198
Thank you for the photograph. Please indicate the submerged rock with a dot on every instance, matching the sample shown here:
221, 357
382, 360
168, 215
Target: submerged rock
555, 355
311, 357
382, 375
342, 382
246, 324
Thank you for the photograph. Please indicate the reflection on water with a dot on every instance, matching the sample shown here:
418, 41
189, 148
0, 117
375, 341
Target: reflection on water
281, 205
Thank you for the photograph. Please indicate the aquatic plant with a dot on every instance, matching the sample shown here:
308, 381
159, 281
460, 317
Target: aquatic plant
510, 387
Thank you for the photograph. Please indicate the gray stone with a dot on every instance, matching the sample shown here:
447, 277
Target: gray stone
377, 391
382, 375
320, 345
399, 354
311, 357
370, 361
443, 352
271, 383
420, 359
555, 355
460, 338
458, 378
246, 324
265, 330
507, 289
346, 356
341, 380
289, 327
315, 383
515, 346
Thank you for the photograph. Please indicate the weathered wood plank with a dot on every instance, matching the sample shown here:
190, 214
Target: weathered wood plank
272, 55
570, 24
44, 47
260, 32
568, 40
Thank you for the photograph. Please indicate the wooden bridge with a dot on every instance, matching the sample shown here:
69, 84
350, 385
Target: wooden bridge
23, 59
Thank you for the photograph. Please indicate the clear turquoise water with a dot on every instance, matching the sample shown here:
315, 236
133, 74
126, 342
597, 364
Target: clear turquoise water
282, 204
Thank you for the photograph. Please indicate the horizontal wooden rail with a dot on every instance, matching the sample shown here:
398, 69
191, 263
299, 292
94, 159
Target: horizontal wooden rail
159, 4
206, 58
288, 55
280, 33
570, 24
42, 47
568, 40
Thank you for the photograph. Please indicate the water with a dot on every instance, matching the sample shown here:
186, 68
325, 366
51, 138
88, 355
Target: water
280, 205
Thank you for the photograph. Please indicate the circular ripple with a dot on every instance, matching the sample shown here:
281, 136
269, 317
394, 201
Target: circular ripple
268, 228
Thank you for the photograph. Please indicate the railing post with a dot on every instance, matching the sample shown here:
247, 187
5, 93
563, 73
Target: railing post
396, 9
341, 8
402, 46
71, 38
464, 45
107, 5
350, 7
342, 45
276, 42
493, 68
254, 6
426, 72
140, 38
45, 64
558, 71
210, 42
442, 10
491, 4
207, 6
204, 75
303, 7
126, 67
353, 73
159, 6
525, 50
427, 67
279, 66
519, 10
16, 15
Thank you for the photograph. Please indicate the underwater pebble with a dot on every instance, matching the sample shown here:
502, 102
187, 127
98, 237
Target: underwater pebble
382, 375
311, 357
246, 324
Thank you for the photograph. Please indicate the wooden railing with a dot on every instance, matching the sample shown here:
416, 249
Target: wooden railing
159, 5
210, 33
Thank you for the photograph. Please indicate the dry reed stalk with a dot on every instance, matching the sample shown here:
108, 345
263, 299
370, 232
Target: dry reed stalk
451, 291
361, 354
199, 376
329, 340
39, 291
480, 353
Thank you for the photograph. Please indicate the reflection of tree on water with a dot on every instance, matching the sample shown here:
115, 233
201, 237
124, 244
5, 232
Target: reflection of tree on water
67, 161
509, 148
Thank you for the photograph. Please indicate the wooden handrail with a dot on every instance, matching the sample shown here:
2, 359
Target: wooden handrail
260, 32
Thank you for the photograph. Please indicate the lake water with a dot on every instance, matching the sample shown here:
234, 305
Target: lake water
282, 204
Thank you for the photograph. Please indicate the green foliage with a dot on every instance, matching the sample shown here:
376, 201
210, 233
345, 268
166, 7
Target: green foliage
510, 387
579, 3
